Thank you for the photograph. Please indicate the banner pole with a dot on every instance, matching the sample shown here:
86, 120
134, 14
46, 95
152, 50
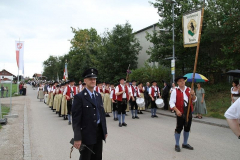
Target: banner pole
18, 74
195, 64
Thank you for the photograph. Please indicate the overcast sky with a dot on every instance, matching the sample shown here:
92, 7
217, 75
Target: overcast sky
44, 26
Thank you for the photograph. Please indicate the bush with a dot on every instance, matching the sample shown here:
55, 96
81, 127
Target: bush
149, 73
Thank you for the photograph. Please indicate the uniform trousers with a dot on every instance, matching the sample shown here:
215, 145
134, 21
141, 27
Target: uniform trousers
96, 148
69, 106
153, 104
181, 121
134, 105
122, 106
115, 106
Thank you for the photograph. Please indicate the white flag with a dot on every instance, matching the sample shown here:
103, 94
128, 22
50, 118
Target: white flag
19, 45
191, 26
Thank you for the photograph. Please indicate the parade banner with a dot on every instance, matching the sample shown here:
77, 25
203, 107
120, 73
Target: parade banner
65, 74
191, 23
19, 45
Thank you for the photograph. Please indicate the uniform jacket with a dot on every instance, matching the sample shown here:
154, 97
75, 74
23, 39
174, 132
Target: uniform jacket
84, 117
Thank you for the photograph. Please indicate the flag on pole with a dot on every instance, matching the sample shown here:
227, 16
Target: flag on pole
191, 24
19, 45
65, 74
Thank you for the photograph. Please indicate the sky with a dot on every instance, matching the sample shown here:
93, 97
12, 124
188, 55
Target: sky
44, 26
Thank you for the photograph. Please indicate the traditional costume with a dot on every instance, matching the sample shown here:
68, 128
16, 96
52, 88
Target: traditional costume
179, 101
114, 103
134, 94
40, 93
123, 96
154, 93
107, 101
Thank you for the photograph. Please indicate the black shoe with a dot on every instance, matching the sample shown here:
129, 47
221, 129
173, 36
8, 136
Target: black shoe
136, 117
69, 123
126, 114
187, 146
116, 119
177, 148
155, 116
140, 112
56, 112
152, 116
120, 125
124, 124
107, 115
133, 117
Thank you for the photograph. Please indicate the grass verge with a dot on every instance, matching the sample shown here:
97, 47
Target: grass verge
5, 111
14, 89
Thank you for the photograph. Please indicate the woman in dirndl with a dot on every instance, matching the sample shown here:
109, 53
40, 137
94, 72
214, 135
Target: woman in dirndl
59, 100
55, 93
40, 93
200, 106
107, 100
141, 90
235, 91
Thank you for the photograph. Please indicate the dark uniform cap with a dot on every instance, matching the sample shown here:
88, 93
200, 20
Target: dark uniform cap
70, 81
121, 79
180, 77
154, 81
90, 73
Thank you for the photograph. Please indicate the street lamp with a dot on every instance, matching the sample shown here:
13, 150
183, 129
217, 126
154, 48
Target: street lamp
173, 38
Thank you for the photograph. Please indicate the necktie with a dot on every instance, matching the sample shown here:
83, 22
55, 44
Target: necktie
98, 115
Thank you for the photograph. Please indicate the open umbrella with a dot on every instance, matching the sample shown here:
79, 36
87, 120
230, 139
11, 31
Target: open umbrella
198, 78
234, 73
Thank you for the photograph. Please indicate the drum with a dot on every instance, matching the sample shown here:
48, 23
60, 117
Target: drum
159, 102
140, 102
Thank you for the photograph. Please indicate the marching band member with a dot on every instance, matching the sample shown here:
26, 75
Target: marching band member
122, 94
134, 94
99, 89
114, 102
129, 93
40, 92
55, 93
69, 92
107, 100
58, 93
49, 93
83, 86
141, 90
179, 102
154, 93
52, 95
80, 86
64, 103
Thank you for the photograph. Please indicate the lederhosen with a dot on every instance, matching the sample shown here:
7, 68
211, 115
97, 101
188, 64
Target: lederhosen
134, 105
70, 101
182, 106
153, 104
122, 102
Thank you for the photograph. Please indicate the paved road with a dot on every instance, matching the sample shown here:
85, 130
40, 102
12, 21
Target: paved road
143, 139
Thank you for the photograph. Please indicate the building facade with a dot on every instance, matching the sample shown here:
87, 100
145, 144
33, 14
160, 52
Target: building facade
5, 75
141, 36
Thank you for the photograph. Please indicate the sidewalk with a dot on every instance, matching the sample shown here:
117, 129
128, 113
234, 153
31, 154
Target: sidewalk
205, 120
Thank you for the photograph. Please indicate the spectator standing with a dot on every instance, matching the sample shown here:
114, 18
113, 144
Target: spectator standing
2, 91
200, 106
24, 89
146, 95
20, 88
235, 94
6, 91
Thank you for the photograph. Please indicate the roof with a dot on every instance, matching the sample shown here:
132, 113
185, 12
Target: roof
145, 28
37, 75
6, 73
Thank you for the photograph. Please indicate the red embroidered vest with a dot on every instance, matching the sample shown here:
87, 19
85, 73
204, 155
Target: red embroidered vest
114, 97
180, 99
133, 91
119, 97
69, 90
153, 91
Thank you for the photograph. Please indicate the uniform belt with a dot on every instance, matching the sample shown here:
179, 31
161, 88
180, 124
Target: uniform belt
236, 95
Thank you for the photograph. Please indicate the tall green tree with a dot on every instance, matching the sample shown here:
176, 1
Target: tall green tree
119, 49
219, 49
49, 67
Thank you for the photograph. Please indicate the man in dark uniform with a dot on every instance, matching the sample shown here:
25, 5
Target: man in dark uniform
165, 94
88, 119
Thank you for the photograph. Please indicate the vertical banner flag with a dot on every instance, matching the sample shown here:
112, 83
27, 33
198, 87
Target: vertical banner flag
19, 45
191, 24
65, 74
